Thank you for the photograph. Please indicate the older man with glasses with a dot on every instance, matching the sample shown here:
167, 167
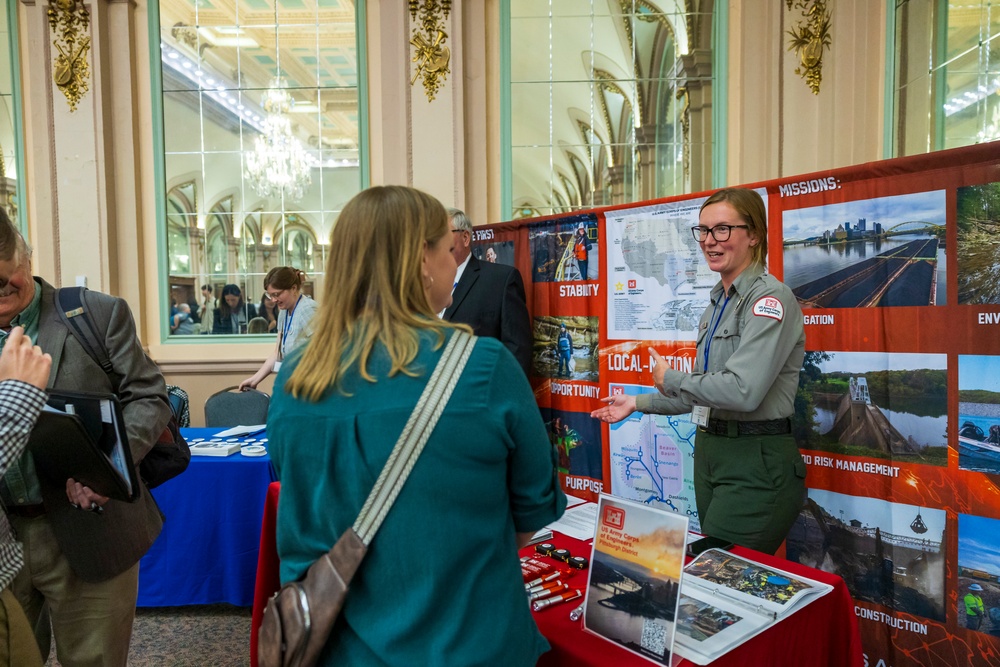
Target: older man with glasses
488, 297
81, 550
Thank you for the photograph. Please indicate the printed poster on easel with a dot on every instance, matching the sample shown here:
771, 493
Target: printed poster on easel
635, 577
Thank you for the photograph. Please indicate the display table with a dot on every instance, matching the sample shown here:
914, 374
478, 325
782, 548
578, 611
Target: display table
822, 634
207, 552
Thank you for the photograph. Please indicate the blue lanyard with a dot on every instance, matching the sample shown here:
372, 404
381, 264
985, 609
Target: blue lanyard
708, 343
288, 325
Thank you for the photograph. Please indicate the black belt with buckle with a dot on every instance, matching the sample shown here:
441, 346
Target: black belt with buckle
27, 511
731, 428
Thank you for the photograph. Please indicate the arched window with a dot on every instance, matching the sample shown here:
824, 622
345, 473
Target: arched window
605, 79
219, 239
182, 222
947, 75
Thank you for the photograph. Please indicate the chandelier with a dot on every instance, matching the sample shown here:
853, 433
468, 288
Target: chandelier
278, 165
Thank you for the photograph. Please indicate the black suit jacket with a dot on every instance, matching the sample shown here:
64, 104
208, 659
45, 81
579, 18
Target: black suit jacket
490, 298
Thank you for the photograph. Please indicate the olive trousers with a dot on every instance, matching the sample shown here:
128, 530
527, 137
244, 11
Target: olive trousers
749, 489
17, 641
92, 622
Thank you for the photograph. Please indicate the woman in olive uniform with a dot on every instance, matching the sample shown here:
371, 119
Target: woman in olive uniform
749, 477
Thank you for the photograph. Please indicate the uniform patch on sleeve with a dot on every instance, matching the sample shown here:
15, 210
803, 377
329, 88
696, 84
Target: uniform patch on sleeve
768, 306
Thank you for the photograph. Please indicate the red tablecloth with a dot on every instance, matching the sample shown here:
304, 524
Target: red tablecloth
267, 566
823, 634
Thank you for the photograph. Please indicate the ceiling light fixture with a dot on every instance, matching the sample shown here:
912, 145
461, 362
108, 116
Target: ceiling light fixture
278, 165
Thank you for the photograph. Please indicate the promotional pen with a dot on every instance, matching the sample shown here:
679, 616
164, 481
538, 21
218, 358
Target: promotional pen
547, 586
539, 605
548, 592
549, 577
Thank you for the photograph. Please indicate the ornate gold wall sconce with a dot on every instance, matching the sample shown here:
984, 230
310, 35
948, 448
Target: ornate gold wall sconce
431, 55
809, 38
70, 21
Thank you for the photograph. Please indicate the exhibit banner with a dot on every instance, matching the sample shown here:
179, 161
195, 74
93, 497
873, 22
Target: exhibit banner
896, 266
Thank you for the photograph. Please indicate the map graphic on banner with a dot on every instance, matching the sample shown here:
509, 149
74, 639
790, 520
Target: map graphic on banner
652, 458
657, 280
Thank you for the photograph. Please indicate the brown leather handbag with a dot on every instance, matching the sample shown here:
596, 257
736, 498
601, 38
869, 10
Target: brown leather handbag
299, 618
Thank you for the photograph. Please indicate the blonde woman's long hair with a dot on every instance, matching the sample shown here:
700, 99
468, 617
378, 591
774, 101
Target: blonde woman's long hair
374, 291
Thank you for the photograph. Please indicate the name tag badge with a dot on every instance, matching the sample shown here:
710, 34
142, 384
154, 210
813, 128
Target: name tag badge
277, 366
699, 415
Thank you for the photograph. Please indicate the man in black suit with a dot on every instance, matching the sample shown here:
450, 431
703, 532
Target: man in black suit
488, 297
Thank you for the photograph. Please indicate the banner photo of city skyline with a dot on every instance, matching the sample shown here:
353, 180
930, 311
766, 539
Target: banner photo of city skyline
896, 265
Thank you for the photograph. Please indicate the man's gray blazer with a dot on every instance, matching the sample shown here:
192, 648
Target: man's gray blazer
100, 546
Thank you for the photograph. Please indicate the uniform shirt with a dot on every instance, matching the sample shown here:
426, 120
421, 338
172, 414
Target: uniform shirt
20, 404
756, 343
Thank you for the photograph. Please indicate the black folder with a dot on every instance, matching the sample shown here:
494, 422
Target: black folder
83, 436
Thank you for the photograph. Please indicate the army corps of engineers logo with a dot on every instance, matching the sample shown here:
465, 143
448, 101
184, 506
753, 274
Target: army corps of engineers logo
613, 517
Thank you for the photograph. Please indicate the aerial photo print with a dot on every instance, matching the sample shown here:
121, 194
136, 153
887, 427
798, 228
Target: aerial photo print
886, 251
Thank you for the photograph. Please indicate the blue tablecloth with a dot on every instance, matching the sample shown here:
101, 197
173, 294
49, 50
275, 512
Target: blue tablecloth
207, 552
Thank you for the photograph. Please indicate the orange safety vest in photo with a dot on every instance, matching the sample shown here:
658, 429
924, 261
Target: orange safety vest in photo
580, 250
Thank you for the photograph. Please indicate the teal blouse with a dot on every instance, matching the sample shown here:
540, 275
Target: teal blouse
441, 583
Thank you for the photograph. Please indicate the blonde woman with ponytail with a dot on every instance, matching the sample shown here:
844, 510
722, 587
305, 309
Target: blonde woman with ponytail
484, 482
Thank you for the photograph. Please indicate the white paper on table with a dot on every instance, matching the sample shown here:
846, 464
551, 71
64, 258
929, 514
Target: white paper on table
241, 430
578, 522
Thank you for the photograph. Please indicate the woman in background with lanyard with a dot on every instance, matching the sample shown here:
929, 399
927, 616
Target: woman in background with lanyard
283, 287
749, 477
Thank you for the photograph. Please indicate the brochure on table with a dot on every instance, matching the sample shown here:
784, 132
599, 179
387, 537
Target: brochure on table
545, 534
242, 430
725, 600
210, 448
577, 522
635, 577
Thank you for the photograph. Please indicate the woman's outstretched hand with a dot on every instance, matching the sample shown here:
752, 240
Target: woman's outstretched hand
615, 408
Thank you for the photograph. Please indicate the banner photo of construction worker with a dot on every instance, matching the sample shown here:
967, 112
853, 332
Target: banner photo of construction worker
565, 250
897, 408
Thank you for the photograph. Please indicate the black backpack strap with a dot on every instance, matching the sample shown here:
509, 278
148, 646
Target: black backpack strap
73, 313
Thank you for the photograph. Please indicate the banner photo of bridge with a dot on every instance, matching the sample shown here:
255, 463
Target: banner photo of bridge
886, 251
896, 265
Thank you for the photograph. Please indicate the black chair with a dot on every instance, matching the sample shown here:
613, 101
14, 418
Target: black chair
236, 408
